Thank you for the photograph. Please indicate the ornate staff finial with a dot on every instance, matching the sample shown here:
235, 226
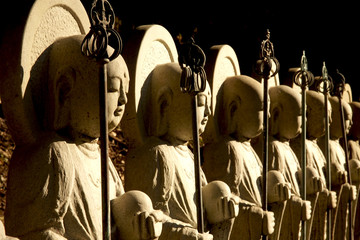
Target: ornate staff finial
192, 61
339, 84
267, 58
95, 43
303, 77
325, 85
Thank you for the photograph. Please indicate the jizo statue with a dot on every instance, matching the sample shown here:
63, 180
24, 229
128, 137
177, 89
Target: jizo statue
354, 147
285, 124
165, 164
316, 163
232, 159
54, 189
339, 175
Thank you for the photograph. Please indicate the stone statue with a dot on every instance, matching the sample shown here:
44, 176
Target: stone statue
315, 126
165, 164
354, 147
54, 186
232, 159
343, 189
354, 151
285, 124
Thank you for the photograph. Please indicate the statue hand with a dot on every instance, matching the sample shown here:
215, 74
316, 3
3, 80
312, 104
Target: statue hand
219, 203
268, 223
204, 236
279, 189
306, 210
281, 192
314, 185
355, 171
332, 199
149, 225
313, 181
353, 193
228, 207
341, 177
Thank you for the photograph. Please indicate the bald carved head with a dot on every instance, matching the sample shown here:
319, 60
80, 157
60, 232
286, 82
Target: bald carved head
241, 115
315, 115
335, 126
67, 96
355, 128
285, 112
170, 116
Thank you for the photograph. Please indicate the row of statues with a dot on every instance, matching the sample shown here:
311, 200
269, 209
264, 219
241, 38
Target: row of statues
54, 186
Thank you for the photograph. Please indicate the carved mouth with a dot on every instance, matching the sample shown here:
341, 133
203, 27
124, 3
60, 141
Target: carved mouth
118, 111
204, 121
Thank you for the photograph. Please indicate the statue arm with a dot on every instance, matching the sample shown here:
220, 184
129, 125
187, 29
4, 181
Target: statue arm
46, 197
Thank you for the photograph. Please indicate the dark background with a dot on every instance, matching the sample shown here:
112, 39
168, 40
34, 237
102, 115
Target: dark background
327, 32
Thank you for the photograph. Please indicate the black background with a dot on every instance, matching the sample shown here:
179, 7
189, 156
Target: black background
326, 31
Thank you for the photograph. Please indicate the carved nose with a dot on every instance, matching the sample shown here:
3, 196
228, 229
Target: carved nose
122, 99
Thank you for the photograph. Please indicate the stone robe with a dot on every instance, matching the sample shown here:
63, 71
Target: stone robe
283, 159
237, 164
166, 173
54, 191
315, 159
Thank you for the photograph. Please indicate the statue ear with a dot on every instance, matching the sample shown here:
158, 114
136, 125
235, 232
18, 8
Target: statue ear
163, 102
64, 85
231, 120
274, 120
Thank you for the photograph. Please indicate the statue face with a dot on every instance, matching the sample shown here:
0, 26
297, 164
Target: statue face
289, 121
85, 100
335, 127
249, 118
315, 121
118, 87
180, 115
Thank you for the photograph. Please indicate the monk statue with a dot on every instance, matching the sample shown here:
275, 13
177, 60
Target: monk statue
339, 182
285, 124
316, 163
163, 167
233, 160
354, 146
354, 152
54, 187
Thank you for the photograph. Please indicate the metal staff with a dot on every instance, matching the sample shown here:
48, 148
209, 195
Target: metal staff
326, 88
339, 90
263, 68
193, 81
303, 78
95, 45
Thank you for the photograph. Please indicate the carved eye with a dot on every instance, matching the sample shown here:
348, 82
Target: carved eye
114, 85
201, 100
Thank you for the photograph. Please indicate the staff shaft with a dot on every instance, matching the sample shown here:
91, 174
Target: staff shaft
303, 152
265, 142
197, 162
343, 128
327, 157
104, 149
265, 146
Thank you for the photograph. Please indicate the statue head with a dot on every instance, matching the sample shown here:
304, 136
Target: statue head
335, 126
242, 108
315, 115
355, 128
285, 112
70, 101
170, 109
